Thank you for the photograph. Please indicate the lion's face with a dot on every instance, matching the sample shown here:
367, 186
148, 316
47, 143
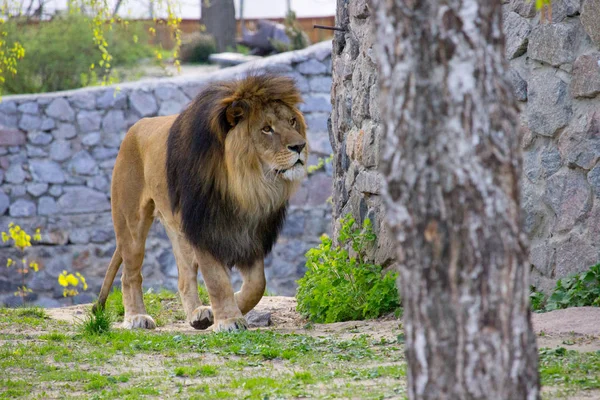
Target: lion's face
279, 140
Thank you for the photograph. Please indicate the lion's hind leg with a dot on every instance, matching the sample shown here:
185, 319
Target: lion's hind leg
253, 286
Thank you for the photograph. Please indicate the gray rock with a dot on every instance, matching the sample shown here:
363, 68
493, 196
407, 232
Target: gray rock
517, 31
319, 143
111, 99
294, 224
102, 153
39, 138
368, 182
321, 84
554, 44
47, 206
548, 106
84, 100
524, 8
170, 93
568, 194
143, 103
300, 81
30, 107
98, 182
311, 67
8, 107
82, 163
33, 151
316, 103
91, 139
64, 131
47, 124
89, 121
258, 319
78, 200
14, 149
46, 171
15, 174
518, 84
60, 109
37, 189
22, 208
60, 150
55, 190
586, 76
114, 122
30, 122
593, 178
1, 175
316, 122
18, 191
79, 236
590, 19
4, 202
563, 9
169, 107
11, 137
550, 160
7, 120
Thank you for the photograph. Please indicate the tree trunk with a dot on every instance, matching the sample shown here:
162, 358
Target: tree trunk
450, 156
218, 16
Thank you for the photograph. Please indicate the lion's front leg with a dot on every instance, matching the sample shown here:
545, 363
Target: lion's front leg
227, 315
253, 286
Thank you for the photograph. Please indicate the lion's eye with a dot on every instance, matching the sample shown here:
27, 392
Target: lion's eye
267, 129
293, 122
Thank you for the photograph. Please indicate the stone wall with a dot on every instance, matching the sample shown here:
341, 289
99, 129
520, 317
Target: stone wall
57, 151
555, 71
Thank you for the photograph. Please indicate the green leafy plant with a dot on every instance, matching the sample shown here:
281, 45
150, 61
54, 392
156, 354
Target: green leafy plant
537, 300
197, 47
96, 322
339, 286
576, 291
21, 240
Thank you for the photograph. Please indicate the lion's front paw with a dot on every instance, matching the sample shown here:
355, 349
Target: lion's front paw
230, 325
139, 321
202, 317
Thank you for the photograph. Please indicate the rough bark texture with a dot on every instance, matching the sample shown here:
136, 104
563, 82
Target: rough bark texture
218, 16
450, 155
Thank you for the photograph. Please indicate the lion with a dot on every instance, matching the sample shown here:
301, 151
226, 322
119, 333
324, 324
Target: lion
218, 176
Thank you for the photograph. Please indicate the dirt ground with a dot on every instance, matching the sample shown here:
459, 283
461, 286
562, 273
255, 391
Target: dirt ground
577, 328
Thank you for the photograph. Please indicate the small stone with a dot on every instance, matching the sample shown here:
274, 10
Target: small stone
568, 194
47, 206
525, 8
82, 163
143, 103
98, 182
47, 124
258, 319
29, 108
563, 9
590, 19
554, 44
37, 189
34, 151
79, 236
111, 99
102, 153
30, 122
316, 103
300, 81
84, 100
169, 107
316, 122
46, 171
91, 139
22, 208
518, 84
59, 108
319, 143
11, 137
39, 138
65, 131
83, 200
60, 150
368, 182
321, 84
548, 105
114, 122
55, 190
586, 76
4, 202
89, 121
8, 107
593, 178
18, 191
517, 31
15, 174
311, 67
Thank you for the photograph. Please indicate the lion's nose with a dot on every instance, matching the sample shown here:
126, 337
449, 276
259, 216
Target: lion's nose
297, 147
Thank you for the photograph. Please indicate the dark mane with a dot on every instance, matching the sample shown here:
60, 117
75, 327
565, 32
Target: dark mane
212, 220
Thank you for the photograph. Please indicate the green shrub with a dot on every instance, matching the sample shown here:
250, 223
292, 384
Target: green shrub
197, 47
340, 287
96, 322
577, 290
59, 54
537, 300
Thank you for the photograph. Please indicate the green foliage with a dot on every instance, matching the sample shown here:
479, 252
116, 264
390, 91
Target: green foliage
197, 47
298, 38
537, 299
577, 291
340, 287
97, 322
320, 164
61, 54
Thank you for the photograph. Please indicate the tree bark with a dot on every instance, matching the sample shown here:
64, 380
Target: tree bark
218, 16
450, 156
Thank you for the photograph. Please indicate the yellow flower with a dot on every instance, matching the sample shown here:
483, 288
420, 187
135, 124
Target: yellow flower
62, 279
72, 280
4, 237
34, 266
9, 262
83, 282
38, 235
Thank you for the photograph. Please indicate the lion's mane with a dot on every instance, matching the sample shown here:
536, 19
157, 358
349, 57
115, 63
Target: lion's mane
214, 176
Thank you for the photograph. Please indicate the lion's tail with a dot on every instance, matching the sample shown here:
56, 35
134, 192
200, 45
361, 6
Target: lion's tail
109, 278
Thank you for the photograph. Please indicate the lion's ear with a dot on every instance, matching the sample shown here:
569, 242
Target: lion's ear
236, 112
